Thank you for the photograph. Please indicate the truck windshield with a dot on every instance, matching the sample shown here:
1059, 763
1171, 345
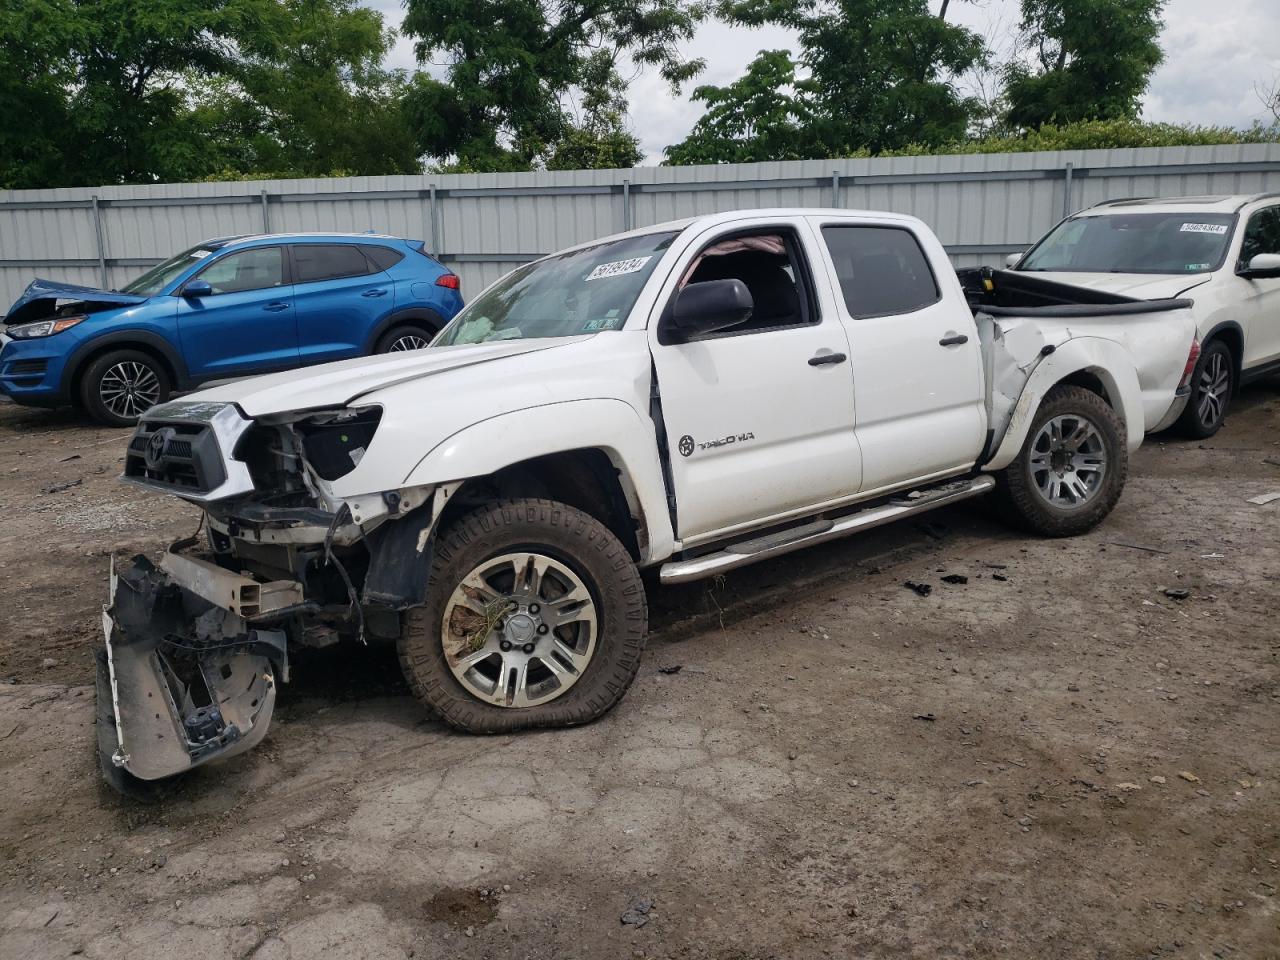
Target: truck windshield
583, 291
1134, 243
161, 275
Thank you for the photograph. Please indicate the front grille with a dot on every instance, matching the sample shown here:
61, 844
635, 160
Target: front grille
175, 456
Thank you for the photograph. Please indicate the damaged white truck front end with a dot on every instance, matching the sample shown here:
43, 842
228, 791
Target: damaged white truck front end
196, 645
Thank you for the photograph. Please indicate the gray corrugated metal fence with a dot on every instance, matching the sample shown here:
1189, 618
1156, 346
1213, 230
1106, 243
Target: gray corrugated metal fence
981, 206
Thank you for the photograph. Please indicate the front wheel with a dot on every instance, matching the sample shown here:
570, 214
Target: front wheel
1071, 469
119, 387
535, 617
1212, 385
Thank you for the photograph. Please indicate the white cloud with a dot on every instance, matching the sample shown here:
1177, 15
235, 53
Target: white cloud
1215, 54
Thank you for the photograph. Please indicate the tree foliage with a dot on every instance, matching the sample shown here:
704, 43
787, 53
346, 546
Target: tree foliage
511, 66
1089, 60
136, 91
878, 77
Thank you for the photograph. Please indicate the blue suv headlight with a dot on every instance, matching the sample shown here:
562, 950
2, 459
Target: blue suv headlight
44, 328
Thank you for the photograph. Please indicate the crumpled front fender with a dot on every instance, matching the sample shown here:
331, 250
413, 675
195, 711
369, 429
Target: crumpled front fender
188, 681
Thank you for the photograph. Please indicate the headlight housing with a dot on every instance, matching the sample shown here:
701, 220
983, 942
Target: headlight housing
334, 441
44, 328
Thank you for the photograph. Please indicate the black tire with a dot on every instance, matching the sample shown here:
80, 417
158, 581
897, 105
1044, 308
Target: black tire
1031, 508
100, 383
396, 338
570, 537
1213, 384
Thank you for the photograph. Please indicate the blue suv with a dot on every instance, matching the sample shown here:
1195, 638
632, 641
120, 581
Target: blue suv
230, 307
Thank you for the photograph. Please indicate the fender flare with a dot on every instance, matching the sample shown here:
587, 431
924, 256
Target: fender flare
1228, 326
123, 340
422, 316
609, 425
1104, 359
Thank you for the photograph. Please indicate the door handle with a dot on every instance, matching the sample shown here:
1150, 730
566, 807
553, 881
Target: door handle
824, 358
374, 293
954, 340
276, 307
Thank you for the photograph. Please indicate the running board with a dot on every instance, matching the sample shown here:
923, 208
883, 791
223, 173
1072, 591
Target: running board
820, 531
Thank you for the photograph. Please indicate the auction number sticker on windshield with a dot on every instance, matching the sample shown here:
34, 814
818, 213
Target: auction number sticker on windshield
1214, 228
618, 268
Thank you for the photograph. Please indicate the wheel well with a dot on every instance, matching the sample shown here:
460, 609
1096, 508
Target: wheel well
1234, 340
1089, 381
586, 479
427, 321
74, 380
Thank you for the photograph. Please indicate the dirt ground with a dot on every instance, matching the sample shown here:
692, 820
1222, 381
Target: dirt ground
1052, 760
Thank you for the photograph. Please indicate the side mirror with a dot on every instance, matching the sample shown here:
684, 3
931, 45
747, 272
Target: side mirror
1263, 266
197, 289
1012, 259
712, 305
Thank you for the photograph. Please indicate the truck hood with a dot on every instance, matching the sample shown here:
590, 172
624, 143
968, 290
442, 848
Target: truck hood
1140, 286
41, 299
339, 384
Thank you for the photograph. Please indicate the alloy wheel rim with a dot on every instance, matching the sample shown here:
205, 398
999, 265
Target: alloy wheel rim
129, 389
409, 341
1213, 389
1068, 461
519, 630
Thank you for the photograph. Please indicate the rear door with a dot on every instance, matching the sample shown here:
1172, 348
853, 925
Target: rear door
917, 364
759, 418
340, 296
246, 325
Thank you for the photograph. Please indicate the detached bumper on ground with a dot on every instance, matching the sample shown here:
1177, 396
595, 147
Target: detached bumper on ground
184, 680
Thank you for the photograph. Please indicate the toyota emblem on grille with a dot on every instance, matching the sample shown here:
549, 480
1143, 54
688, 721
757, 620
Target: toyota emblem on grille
155, 447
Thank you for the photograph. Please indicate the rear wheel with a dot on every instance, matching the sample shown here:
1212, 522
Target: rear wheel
535, 617
120, 386
399, 339
1212, 386
1071, 469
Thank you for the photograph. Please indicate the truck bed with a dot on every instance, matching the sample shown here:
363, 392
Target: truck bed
1007, 292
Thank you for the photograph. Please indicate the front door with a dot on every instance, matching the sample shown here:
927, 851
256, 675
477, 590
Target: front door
1259, 297
917, 363
246, 323
759, 417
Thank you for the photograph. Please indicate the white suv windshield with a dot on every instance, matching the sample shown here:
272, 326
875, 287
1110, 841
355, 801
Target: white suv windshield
583, 291
1134, 243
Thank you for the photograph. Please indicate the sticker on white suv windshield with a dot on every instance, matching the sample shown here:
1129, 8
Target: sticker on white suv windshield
618, 268
1216, 228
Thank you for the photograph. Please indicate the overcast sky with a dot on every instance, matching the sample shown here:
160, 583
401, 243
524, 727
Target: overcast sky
1216, 51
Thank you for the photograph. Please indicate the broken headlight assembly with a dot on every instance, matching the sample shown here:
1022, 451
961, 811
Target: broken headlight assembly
44, 328
334, 441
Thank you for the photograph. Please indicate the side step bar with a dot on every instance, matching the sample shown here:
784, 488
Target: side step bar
820, 531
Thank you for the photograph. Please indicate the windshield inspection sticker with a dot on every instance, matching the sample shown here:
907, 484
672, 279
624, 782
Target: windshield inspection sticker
1215, 228
618, 268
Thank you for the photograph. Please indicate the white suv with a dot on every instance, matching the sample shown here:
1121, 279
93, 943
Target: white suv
1221, 252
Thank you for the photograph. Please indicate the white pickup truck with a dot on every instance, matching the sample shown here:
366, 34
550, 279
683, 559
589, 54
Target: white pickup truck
1222, 251
691, 397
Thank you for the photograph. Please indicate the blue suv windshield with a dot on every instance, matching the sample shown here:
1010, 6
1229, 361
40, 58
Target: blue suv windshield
583, 291
159, 277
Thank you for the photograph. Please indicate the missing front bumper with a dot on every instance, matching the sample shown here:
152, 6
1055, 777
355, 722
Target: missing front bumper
187, 681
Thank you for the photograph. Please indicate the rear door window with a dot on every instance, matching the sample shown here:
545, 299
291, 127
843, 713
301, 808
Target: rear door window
882, 270
328, 261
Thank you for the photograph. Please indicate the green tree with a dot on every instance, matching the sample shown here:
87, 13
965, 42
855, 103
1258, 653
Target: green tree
510, 66
598, 139
760, 116
310, 97
34, 75
879, 78
1089, 60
